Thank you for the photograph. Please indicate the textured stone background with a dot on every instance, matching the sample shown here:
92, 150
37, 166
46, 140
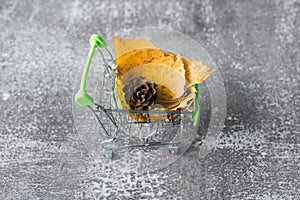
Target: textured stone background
255, 44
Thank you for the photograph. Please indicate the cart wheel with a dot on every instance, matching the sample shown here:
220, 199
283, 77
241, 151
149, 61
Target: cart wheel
108, 153
174, 149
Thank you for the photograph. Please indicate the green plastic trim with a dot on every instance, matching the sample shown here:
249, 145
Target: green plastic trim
196, 113
82, 98
119, 104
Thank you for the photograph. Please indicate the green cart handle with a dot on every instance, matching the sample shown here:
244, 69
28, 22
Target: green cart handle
196, 112
82, 98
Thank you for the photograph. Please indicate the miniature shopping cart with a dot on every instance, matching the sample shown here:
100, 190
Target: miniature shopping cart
114, 120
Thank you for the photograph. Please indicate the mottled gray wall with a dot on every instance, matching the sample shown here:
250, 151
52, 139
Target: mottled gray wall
254, 43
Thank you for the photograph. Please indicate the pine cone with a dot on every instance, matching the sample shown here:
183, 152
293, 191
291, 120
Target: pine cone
140, 93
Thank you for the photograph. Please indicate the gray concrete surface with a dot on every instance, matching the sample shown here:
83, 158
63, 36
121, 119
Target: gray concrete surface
255, 44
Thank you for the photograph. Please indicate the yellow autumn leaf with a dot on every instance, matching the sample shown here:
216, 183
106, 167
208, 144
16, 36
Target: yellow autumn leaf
196, 72
124, 45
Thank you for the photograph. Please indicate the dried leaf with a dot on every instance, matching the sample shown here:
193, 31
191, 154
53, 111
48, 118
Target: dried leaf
122, 46
170, 82
196, 72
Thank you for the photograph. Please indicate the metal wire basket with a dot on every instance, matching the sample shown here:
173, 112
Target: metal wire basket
115, 121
